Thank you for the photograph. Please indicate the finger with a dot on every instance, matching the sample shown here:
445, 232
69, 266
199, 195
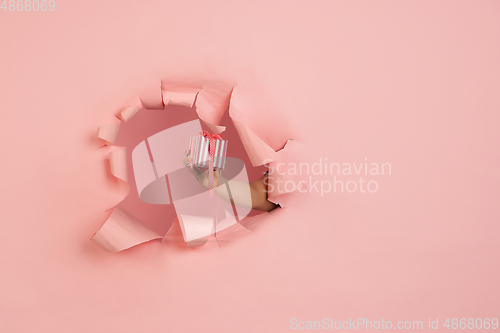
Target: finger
187, 161
193, 170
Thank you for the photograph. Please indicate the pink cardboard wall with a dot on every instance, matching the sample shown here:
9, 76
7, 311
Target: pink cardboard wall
409, 83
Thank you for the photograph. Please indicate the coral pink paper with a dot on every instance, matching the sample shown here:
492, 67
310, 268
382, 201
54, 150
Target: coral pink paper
121, 231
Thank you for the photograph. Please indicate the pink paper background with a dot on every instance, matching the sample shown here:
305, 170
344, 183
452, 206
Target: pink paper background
411, 83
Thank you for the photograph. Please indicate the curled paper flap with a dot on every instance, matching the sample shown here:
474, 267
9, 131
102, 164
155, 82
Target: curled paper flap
211, 104
196, 229
118, 163
282, 178
214, 128
258, 151
132, 108
108, 132
121, 231
180, 96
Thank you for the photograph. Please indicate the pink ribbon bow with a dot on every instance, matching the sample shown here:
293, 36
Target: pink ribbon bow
211, 152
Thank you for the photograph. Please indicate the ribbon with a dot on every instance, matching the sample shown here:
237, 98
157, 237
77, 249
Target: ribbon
211, 152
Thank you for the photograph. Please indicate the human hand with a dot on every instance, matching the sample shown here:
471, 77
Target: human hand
201, 175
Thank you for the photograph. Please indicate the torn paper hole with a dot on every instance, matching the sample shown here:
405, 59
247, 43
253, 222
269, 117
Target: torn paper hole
161, 178
108, 133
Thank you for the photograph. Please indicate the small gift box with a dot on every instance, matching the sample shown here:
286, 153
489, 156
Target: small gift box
206, 149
